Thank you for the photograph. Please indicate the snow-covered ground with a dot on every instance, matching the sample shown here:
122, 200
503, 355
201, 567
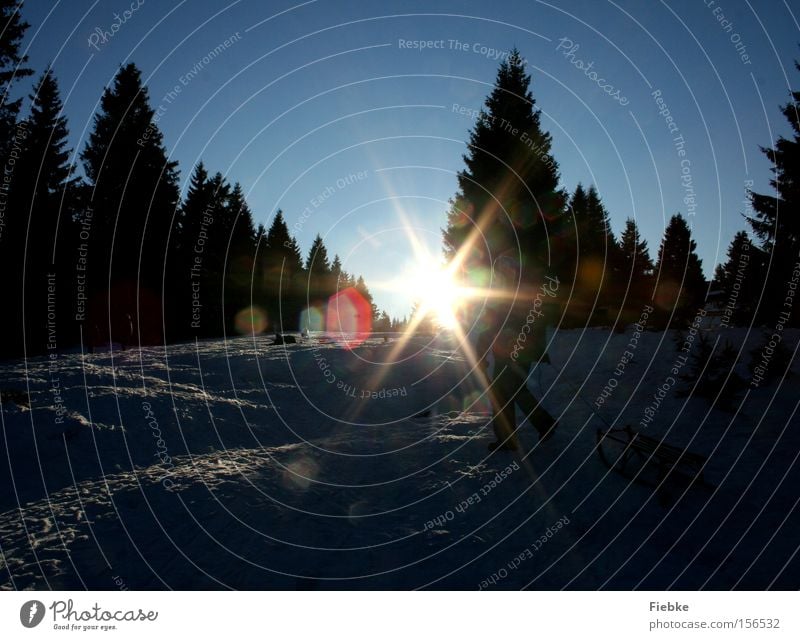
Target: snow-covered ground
237, 464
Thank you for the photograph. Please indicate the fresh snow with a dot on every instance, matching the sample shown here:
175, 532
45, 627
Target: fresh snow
333, 464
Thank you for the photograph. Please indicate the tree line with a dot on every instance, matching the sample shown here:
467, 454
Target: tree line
510, 201
115, 254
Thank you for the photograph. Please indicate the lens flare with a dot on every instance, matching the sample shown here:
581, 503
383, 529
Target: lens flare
350, 314
250, 320
313, 318
438, 294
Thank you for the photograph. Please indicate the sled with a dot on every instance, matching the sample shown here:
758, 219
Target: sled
647, 460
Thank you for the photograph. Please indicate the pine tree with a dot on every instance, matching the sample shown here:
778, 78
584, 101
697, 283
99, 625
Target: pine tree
185, 273
598, 256
740, 280
12, 69
134, 196
46, 194
260, 253
336, 273
283, 276
508, 192
678, 271
383, 324
218, 220
635, 255
636, 266
241, 254
318, 257
13, 215
319, 286
597, 238
361, 287
776, 220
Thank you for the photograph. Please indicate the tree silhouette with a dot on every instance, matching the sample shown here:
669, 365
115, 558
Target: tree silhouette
241, 253
13, 220
776, 221
336, 273
635, 255
598, 257
134, 194
508, 192
681, 284
740, 282
319, 285
12, 69
636, 266
283, 276
46, 195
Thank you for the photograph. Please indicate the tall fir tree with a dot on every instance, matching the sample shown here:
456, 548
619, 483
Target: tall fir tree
319, 286
200, 266
46, 194
283, 276
635, 255
13, 220
636, 266
363, 290
597, 256
240, 256
12, 69
134, 195
508, 191
739, 280
776, 216
597, 237
336, 273
681, 285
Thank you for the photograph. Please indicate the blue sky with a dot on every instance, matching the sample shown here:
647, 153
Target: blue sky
321, 107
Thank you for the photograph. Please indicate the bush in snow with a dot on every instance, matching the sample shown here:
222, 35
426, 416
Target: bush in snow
711, 373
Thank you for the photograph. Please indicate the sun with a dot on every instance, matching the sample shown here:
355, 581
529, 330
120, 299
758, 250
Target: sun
438, 294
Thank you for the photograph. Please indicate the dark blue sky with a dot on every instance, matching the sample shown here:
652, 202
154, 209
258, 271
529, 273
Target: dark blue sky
321, 107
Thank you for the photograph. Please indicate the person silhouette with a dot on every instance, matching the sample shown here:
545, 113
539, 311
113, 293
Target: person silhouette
515, 321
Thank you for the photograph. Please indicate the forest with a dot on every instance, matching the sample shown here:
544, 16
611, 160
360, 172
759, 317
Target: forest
110, 252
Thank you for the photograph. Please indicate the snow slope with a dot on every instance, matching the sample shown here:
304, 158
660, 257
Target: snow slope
236, 464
